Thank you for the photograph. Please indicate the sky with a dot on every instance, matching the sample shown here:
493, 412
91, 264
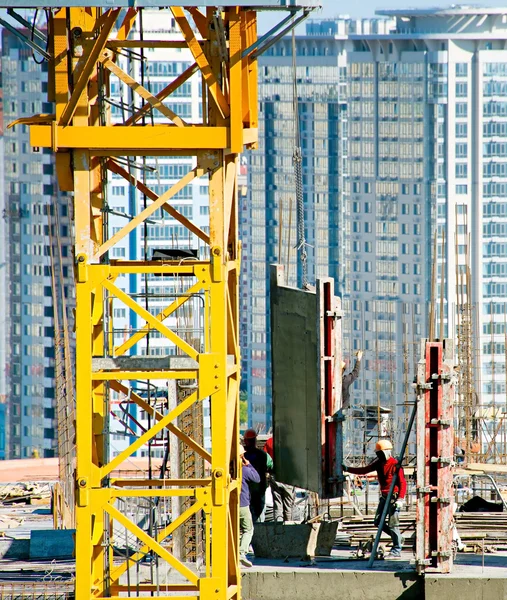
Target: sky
366, 8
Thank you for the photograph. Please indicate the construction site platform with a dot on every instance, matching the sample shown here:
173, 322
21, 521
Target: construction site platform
350, 579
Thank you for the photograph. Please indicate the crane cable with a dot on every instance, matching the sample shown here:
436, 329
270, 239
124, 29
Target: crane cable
297, 161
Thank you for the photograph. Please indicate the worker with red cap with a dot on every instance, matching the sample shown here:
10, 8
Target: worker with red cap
263, 464
386, 465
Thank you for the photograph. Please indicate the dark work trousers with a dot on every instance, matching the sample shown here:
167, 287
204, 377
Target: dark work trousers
283, 500
257, 504
392, 523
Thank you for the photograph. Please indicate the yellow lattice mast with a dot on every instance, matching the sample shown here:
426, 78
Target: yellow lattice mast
84, 47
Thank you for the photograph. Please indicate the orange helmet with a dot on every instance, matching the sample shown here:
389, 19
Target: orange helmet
250, 434
383, 445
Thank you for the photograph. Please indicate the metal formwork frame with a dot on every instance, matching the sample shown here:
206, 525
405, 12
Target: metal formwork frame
83, 47
435, 451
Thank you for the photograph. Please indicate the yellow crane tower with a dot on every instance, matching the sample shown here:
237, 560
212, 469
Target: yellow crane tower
83, 46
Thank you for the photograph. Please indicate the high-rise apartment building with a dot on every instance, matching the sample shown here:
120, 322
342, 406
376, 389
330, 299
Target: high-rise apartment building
419, 153
31, 234
3, 286
268, 220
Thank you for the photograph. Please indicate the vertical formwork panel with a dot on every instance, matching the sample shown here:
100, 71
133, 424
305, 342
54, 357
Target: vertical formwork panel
306, 349
434, 458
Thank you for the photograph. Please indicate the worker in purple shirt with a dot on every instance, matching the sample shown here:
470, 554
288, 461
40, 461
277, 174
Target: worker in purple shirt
246, 527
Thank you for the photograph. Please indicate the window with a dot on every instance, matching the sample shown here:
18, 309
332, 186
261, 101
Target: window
461, 89
404, 249
462, 189
405, 189
367, 286
367, 246
119, 252
367, 207
461, 130
417, 229
367, 188
204, 210
461, 69
404, 268
461, 170
417, 248
462, 109
118, 190
461, 150
367, 227
404, 229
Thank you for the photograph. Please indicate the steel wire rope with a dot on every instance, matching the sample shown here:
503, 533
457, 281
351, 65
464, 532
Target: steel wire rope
297, 161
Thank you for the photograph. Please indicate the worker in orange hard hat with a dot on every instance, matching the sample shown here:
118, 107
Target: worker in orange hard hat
349, 378
385, 464
263, 464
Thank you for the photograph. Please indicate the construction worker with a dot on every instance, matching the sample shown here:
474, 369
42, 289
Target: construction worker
348, 380
262, 463
283, 494
385, 465
246, 528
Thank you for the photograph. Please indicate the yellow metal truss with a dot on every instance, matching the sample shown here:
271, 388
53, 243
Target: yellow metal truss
84, 47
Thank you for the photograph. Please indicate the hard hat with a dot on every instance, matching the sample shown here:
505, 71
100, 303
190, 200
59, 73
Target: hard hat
241, 450
250, 434
344, 364
383, 445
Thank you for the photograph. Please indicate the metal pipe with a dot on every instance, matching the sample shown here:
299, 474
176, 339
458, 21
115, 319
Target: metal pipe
391, 489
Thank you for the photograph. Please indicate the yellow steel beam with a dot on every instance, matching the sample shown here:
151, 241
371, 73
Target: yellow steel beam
116, 385
84, 42
141, 375
118, 571
164, 314
89, 64
128, 22
144, 189
206, 482
167, 91
127, 139
149, 210
152, 100
149, 318
210, 77
151, 544
146, 437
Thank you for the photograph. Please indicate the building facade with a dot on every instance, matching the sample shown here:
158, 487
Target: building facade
31, 230
419, 165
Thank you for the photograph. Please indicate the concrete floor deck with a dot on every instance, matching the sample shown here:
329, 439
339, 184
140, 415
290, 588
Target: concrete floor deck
348, 579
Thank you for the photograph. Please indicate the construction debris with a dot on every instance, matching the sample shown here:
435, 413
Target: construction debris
25, 493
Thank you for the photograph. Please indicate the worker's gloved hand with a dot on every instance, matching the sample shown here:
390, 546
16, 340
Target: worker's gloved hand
399, 504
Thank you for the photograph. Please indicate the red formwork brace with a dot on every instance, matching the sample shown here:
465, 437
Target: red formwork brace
329, 339
435, 458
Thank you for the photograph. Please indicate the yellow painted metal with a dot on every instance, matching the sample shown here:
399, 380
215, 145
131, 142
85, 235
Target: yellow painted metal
125, 141
84, 45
